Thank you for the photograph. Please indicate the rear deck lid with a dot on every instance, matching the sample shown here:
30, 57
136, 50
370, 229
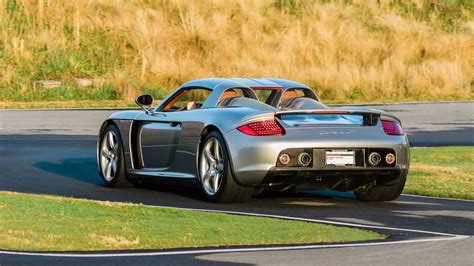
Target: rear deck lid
328, 117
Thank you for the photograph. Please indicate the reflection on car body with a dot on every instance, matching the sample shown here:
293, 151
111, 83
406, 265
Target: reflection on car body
237, 137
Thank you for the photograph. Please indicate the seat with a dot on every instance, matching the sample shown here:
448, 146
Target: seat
227, 96
191, 106
286, 97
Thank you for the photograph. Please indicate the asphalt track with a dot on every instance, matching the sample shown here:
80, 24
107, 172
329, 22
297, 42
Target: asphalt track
52, 152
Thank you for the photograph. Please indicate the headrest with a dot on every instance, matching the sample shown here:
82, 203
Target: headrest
228, 94
289, 94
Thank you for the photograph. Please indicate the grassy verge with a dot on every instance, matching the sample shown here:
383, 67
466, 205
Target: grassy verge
442, 172
345, 50
66, 104
47, 223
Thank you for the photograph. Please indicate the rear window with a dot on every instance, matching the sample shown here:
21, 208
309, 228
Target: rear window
322, 119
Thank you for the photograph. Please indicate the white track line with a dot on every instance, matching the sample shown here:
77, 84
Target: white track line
439, 237
228, 250
438, 198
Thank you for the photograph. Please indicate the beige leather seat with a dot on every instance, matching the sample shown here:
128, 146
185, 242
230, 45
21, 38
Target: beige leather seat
191, 106
288, 95
227, 95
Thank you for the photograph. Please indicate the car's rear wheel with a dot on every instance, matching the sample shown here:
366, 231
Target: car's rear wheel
215, 175
111, 159
384, 193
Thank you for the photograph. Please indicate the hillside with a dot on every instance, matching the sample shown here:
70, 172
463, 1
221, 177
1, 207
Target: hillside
348, 51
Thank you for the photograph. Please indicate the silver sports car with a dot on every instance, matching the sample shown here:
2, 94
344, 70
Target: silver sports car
238, 137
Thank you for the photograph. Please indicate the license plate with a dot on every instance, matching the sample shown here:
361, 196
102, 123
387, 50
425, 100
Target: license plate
340, 157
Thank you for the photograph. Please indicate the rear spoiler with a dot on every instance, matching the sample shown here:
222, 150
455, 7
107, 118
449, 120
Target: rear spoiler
370, 115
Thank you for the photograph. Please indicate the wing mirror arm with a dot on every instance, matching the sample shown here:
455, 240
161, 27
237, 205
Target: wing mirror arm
146, 103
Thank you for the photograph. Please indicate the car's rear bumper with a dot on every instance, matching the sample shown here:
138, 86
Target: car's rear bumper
253, 159
341, 180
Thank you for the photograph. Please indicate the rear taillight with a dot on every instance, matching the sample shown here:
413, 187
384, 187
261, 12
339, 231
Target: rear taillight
263, 128
392, 128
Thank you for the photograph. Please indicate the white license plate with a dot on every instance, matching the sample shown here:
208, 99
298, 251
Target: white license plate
340, 157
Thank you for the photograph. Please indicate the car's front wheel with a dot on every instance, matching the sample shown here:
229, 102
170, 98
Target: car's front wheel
111, 159
384, 193
215, 175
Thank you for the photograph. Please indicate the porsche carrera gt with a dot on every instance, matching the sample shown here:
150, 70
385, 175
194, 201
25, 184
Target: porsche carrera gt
238, 137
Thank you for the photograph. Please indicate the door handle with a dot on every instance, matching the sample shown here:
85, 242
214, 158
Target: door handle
174, 124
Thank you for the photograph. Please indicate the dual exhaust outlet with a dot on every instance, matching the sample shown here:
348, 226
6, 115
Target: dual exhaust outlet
304, 159
375, 158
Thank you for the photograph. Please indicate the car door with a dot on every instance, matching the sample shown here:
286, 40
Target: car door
157, 138
160, 131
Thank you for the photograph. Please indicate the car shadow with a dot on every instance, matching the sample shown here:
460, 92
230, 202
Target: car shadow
83, 169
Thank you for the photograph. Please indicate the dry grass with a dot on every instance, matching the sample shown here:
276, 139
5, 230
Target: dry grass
357, 51
115, 242
66, 104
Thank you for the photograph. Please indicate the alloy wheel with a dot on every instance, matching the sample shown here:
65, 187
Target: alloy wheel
211, 166
109, 155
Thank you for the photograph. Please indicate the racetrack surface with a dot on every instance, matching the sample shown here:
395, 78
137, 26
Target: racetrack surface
53, 152
427, 124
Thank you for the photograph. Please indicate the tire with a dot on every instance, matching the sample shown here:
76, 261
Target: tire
111, 158
227, 190
384, 193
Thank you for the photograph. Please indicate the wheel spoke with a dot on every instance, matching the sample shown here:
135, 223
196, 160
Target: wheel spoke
217, 150
111, 140
207, 177
209, 157
215, 182
108, 171
106, 153
104, 164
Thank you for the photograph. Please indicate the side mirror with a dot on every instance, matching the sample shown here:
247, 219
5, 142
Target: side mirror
145, 102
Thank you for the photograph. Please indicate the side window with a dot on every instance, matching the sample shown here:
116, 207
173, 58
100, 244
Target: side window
187, 99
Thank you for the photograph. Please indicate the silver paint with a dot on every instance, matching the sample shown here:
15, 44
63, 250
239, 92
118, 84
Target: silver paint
250, 157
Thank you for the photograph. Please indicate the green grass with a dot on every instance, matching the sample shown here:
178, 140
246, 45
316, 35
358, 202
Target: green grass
442, 172
47, 223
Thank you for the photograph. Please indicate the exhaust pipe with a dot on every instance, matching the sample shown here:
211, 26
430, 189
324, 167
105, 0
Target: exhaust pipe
390, 158
304, 159
284, 159
375, 158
